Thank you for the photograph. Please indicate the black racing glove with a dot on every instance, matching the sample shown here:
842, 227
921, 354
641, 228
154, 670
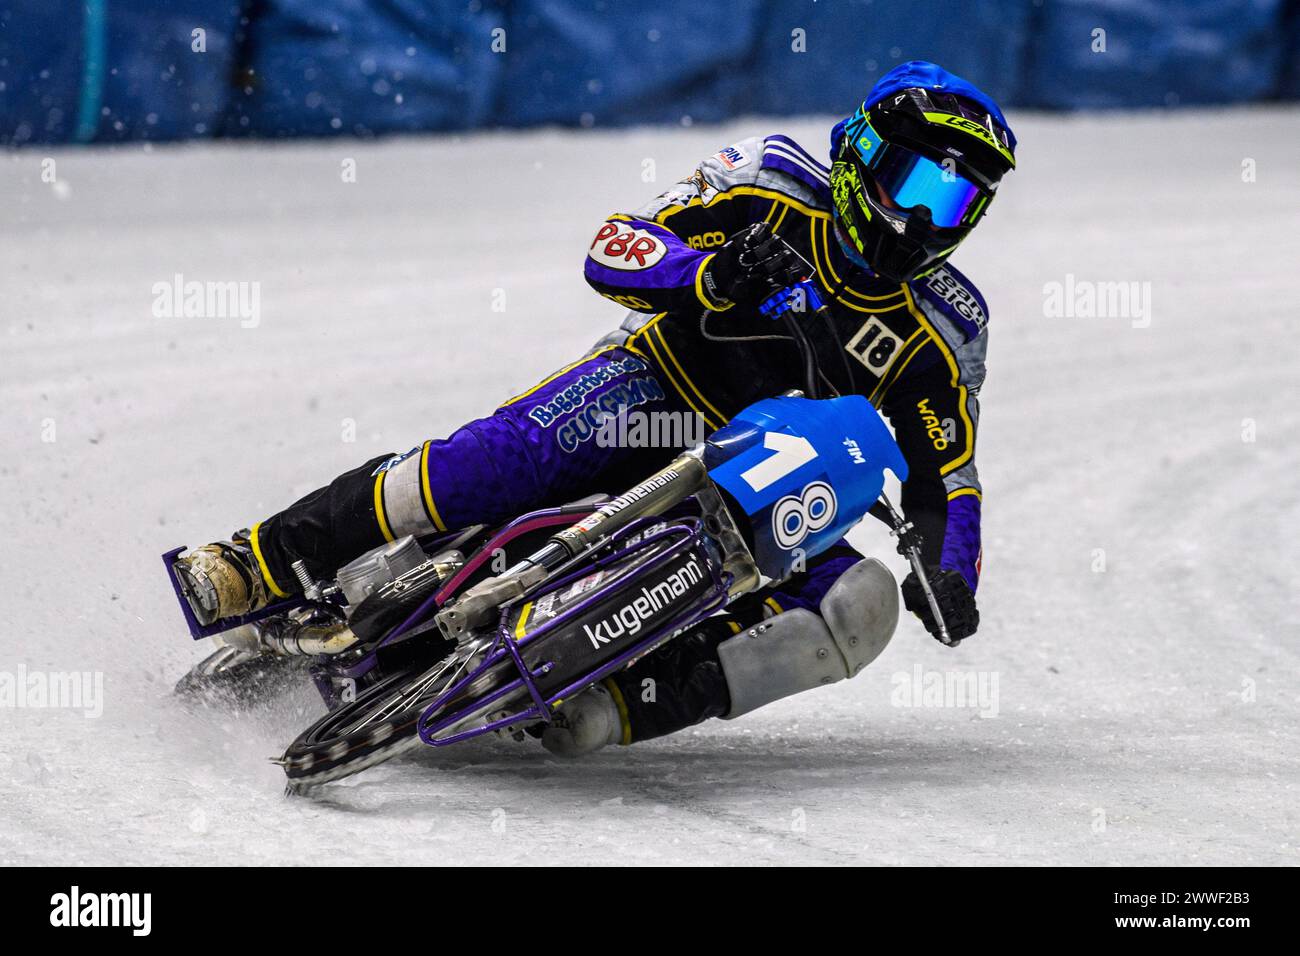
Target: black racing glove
752, 265
954, 596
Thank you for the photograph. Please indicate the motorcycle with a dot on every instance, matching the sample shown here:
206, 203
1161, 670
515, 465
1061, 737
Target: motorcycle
439, 640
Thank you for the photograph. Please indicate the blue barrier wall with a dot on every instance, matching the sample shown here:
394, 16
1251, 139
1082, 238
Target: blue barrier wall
322, 67
103, 70
850, 43
115, 69
1157, 54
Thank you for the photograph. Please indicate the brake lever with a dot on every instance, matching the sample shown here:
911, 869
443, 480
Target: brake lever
909, 546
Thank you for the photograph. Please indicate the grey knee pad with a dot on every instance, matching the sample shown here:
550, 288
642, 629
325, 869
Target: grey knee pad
798, 650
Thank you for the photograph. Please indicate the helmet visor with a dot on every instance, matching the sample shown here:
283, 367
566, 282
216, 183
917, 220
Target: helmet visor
909, 179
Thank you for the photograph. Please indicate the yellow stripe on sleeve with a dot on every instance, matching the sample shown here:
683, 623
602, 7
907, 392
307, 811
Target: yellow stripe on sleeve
699, 288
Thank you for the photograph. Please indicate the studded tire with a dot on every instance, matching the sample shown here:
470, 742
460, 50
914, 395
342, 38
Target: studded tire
379, 725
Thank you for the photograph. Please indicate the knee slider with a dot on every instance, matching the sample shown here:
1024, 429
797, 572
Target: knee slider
798, 650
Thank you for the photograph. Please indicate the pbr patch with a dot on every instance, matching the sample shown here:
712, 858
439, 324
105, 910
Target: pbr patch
618, 246
733, 157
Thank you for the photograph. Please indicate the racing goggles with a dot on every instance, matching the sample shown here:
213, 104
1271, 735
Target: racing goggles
909, 180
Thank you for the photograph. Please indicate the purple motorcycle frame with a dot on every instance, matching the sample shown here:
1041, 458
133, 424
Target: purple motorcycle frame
506, 649
685, 533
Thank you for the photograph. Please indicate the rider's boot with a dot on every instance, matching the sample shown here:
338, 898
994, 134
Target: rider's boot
222, 580
587, 723
678, 685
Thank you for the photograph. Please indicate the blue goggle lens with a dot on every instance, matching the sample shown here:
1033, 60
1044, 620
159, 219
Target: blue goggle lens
910, 180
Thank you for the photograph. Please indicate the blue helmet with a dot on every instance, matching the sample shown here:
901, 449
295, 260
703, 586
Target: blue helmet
915, 168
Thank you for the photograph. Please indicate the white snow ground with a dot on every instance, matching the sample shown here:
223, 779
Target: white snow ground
1139, 608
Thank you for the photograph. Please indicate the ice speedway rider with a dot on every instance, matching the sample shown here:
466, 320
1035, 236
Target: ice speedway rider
912, 171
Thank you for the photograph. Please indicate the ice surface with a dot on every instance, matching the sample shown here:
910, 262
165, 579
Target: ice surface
1147, 712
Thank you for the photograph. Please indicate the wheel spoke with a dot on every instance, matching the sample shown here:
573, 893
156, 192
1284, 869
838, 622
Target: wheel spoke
409, 696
